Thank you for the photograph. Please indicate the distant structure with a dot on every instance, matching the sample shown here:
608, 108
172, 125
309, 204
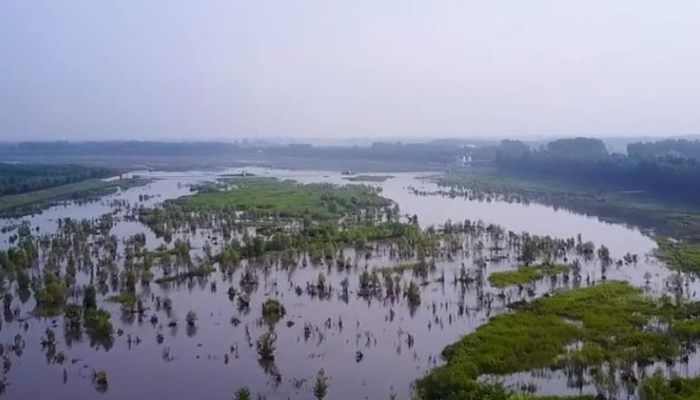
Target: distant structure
461, 163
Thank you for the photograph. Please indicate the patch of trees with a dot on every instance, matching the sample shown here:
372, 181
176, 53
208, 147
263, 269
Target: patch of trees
587, 162
21, 178
665, 148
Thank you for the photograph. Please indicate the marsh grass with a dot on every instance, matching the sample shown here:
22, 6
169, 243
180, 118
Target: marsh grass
125, 299
526, 274
659, 387
265, 196
684, 257
611, 321
15, 205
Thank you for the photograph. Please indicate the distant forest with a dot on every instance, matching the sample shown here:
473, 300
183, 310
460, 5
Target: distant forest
21, 178
437, 151
668, 169
671, 147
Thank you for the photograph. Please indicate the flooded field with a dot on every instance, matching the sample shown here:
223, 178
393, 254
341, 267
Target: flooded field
370, 343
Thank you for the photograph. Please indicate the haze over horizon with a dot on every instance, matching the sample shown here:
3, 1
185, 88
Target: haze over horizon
223, 70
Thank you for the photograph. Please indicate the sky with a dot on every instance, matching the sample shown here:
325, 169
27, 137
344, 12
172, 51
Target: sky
210, 69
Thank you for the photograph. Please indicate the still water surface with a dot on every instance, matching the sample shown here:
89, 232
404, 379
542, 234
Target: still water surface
361, 344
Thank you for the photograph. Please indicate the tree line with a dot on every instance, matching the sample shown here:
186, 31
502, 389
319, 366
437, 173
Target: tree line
21, 178
587, 161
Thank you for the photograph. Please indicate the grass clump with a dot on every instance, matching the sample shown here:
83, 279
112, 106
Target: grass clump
526, 274
100, 381
610, 322
98, 323
684, 257
242, 394
16, 205
126, 299
273, 311
659, 387
265, 346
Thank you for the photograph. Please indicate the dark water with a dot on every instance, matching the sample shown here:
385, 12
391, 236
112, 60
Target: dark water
191, 364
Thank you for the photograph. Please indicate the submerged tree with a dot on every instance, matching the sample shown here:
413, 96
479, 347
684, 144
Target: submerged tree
99, 379
265, 346
273, 311
413, 294
90, 298
321, 385
242, 394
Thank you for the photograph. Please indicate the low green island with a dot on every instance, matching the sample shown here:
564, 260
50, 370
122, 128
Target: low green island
682, 256
269, 196
368, 178
14, 205
581, 329
526, 274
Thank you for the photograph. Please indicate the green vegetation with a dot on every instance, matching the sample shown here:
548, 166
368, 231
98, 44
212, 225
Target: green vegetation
413, 294
242, 394
349, 215
22, 178
609, 323
97, 322
320, 385
526, 274
658, 387
587, 162
270, 197
29, 202
51, 296
273, 311
276, 208
684, 257
368, 178
99, 379
125, 299
265, 346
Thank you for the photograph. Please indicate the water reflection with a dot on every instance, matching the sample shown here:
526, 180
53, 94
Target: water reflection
366, 333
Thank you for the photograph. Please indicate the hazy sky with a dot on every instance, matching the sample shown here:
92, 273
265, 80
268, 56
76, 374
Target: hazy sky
198, 69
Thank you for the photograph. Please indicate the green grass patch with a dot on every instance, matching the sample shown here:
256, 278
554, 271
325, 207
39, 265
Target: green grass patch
684, 257
271, 197
126, 299
29, 202
527, 274
659, 387
610, 323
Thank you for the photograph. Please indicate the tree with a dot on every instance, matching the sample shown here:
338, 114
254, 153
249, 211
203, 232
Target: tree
265, 346
191, 318
529, 252
242, 394
321, 385
90, 298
